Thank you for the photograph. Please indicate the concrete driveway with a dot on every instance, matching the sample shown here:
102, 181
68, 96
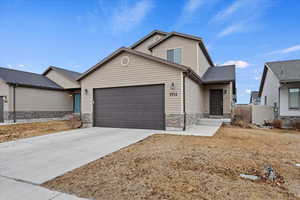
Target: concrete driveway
39, 159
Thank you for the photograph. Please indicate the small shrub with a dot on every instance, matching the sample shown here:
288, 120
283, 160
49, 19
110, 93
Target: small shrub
75, 121
277, 123
296, 125
241, 123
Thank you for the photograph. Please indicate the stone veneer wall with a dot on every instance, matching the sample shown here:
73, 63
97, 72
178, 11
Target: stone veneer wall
288, 121
87, 120
28, 115
174, 121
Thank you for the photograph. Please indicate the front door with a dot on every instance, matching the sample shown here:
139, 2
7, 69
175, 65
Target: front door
77, 102
216, 102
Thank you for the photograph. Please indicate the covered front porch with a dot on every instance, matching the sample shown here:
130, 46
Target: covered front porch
219, 99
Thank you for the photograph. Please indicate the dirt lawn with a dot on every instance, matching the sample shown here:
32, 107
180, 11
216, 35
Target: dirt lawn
18, 131
189, 167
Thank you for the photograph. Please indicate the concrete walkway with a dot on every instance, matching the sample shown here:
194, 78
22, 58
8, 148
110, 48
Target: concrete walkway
26, 163
17, 190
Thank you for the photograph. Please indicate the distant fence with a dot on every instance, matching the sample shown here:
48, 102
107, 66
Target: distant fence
243, 112
260, 114
256, 114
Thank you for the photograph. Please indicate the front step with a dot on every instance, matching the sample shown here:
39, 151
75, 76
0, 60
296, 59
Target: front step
212, 122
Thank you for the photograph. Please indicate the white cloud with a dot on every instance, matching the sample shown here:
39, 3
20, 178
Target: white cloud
234, 7
127, 17
248, 91
241, 16
233, 28
116, 16
189, 11
257, 77
238, 63
193, 5
286, 50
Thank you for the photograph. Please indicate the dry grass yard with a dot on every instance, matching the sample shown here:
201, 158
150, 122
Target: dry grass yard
25, 130
189, 167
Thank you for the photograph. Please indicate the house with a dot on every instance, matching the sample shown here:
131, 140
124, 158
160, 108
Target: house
254, 98
25, 96
280, 88
163, 81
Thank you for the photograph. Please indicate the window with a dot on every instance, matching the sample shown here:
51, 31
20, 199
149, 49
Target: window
294, 98
174, 55
266, 100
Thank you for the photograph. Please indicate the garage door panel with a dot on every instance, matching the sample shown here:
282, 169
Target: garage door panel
130, 107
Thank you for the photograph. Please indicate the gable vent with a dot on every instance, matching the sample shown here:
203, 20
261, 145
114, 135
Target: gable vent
125, 61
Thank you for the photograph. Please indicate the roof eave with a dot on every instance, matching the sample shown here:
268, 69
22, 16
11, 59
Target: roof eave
34, 86
262, 82
147, 37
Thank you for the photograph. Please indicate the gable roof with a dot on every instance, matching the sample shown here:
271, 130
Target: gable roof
147, 36
72, 75
189, 71
219, 74
17, 77
187, 36
254, 96
285, 71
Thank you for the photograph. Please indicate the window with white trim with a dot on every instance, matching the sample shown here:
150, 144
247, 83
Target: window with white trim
174, 55
294, 98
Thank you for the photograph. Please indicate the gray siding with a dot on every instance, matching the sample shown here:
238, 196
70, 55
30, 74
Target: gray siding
194, 97
270, 89
62, 80
33, 99
189, 51
143, 47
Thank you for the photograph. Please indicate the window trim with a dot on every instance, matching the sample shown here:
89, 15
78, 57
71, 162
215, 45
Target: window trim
289, 99
173, 48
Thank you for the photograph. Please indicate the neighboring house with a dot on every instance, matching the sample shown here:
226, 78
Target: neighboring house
280, 88
164, 81
25, 96
254, 98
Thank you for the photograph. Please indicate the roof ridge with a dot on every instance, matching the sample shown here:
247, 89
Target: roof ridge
21, 71
60, 68
147, 36
281, 61
233, 65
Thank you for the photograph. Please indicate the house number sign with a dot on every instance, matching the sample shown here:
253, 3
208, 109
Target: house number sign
173, 93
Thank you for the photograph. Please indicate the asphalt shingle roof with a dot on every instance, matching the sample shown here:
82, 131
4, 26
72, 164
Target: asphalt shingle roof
286, 71
69, 74
26, 78
219, 74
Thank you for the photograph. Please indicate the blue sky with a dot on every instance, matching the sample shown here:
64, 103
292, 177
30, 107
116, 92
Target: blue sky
76, 34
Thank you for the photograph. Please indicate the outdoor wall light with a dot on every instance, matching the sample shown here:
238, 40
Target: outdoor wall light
5, 99
85, 91
172, 87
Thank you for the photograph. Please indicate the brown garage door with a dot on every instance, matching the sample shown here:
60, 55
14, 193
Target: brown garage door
130, 107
